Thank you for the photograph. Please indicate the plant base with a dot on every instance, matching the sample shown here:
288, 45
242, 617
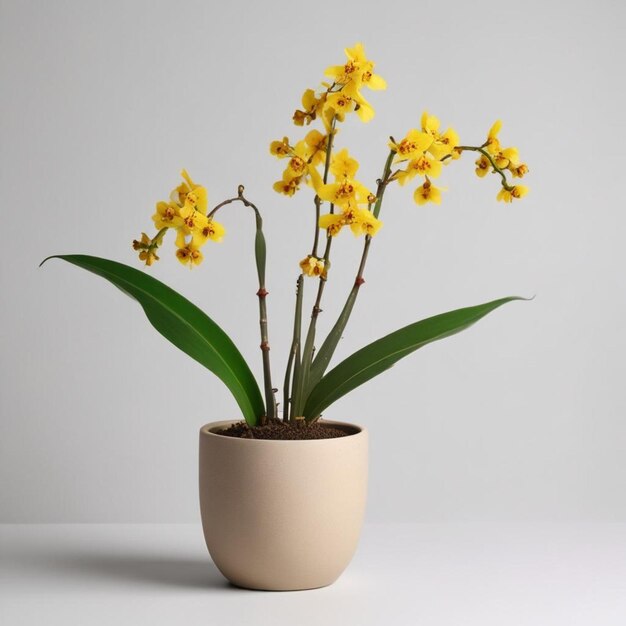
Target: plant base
286, 431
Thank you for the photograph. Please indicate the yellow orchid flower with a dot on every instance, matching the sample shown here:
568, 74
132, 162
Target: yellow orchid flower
199, 226
363, 108
309, 100
143, 243
313, 266
306, 154
414, 144
443, 144
345, 192
297, 166
210, 230
424, 165
197, 199
301, 167
430, 123
148, 256
338, 104
332, 223
167, 215
508, 195
365, 223
147, 249
427, 192
357, 71
280, 149
190, 193
483, 166
311, 105
192, 219
343, 165
188, 253
300, 118
493, 143
361, 222
288, 185
317, 143
519, 171
507, 156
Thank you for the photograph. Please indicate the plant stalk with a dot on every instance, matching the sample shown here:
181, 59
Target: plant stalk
485, 153
309, 344
318, 200
260, 257
325, 353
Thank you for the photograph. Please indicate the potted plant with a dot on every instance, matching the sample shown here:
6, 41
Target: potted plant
282, 490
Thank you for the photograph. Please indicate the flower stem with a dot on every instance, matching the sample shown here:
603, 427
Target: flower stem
260, 255
309, 344
485, 153
318, 200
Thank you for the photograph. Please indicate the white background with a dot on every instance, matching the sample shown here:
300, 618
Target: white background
521, 417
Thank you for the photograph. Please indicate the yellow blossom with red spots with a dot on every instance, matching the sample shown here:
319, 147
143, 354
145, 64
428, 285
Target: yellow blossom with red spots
483, 166
422, 165
494, 158
357, 72
185, 213
413, 145
313, 266
360, 221
427, 192
512, 193
443, 144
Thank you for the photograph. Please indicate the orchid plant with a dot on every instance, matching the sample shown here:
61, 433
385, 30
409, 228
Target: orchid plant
308, 387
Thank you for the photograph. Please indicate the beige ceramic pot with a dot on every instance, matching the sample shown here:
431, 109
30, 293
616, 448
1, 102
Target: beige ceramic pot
282, 515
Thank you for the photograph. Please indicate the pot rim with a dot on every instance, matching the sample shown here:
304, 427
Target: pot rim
354, 430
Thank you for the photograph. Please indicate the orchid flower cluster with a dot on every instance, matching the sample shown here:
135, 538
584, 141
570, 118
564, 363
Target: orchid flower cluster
422, 153
340, 200
185, 212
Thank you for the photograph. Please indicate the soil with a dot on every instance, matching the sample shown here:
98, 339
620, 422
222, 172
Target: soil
277, 429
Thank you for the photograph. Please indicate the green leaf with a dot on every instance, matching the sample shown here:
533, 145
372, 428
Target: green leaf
185, 325
385, 352
326, 351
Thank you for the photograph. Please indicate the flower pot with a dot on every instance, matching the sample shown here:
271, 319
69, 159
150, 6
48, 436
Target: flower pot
282, 515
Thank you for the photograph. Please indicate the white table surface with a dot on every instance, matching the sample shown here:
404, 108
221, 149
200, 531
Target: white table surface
403, 574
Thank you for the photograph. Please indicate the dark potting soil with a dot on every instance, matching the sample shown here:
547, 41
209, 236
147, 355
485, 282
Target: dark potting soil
277, 429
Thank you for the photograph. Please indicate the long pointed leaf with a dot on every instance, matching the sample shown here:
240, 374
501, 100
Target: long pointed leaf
326, 351
185, 325
382, 354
